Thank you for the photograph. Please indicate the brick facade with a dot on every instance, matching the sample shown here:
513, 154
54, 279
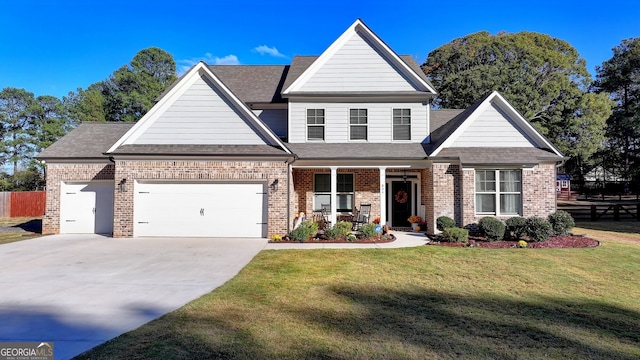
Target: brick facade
56, 174
366, 189
264, 171
450, 191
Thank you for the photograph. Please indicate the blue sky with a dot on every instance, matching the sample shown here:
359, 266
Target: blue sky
52, 47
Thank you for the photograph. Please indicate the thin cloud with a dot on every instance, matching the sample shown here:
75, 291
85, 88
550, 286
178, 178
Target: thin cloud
186, 64
272, 51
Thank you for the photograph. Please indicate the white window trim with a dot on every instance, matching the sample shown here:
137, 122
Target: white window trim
410, 124
497, 193
306, 125
317, 207
361, 125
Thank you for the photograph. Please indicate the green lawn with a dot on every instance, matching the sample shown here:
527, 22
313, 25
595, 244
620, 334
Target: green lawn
419, 303
12, 236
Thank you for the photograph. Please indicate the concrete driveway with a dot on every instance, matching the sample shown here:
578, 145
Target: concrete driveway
81, 290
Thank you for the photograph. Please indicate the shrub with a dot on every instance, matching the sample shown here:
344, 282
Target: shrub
368, 230
304, 231
516, 227
538, 229
455, 234
561, 222
340, 230
492, 228
445, 222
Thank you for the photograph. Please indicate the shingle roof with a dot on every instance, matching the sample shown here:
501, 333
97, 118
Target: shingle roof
497, 156
253, 83
440, 117
88, 141
214, 150
357, 151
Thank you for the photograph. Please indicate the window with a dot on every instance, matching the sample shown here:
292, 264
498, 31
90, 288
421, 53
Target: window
506, 197
358, 124
315, 124
322, 191
401, 124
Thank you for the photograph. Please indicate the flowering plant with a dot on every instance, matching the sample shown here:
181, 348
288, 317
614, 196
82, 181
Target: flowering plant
414, 219
522, 244
376, 220
276, 237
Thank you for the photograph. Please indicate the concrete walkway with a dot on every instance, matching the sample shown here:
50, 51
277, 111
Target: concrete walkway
403, 239
79, 291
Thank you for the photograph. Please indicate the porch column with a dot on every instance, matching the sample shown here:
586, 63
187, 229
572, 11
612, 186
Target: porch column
383, 195
334, 195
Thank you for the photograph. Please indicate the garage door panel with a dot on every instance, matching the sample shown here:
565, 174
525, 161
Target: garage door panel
86, 208
200, 209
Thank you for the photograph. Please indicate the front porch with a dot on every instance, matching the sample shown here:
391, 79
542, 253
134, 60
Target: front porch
394, 192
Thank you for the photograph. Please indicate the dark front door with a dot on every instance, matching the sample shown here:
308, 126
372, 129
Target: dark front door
400, 203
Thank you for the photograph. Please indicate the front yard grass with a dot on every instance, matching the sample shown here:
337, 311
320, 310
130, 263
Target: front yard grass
416, 303
30, 232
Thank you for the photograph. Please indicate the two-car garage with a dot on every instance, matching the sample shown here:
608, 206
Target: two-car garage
169, 208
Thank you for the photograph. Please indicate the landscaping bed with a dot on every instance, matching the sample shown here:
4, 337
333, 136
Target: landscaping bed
324, 240
555, 242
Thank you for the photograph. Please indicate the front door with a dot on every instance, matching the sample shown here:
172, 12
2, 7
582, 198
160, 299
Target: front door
400, 203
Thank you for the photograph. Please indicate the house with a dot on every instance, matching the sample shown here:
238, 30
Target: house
239, 150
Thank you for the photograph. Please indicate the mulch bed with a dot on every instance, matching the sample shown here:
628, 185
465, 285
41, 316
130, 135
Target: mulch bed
555, 242
386, 239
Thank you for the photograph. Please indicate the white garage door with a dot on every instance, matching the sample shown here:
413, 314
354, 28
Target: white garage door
200, 209
86, 208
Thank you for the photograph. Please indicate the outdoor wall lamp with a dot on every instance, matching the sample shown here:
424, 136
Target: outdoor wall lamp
274, 186
122, 185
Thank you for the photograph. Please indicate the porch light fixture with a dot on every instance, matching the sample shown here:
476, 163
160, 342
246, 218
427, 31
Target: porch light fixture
404, 176
122, 185
274, 186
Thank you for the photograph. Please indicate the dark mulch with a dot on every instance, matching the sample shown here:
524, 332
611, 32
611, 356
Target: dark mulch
376, 239
556, 242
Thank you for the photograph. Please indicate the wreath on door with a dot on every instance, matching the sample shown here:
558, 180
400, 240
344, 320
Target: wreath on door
401, 197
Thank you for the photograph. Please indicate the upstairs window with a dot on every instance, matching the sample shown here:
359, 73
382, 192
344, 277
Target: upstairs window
498, 192
358, 124
315, 124
401, 124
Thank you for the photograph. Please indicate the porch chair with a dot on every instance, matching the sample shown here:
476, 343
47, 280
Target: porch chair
362, 215
326, 214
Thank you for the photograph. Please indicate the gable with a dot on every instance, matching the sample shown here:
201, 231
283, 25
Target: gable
359, 61
201, 115
491, 122
357, 66
492, 126
199, 110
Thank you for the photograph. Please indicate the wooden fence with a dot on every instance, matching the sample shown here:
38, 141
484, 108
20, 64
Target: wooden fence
614, 212
22, 204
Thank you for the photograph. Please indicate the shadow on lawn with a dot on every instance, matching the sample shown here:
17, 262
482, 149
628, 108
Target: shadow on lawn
454, 326
384, 323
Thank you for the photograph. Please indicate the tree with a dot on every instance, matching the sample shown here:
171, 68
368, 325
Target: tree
541, 76
132, 89
85, 105
620, 76
16, 109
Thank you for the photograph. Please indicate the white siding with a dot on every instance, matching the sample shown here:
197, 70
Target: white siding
357, 67
490, 129
379, 118
200, 116
275, 119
